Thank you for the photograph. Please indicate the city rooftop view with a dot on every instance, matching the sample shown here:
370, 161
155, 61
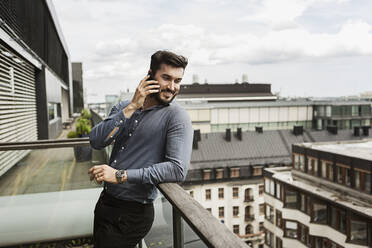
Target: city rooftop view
251, 129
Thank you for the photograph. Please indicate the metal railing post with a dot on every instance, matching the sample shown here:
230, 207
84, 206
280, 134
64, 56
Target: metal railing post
177, 229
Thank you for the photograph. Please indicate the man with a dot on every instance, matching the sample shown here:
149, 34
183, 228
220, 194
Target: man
152, 144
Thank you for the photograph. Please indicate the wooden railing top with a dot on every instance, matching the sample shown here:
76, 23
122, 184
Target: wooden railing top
211, 231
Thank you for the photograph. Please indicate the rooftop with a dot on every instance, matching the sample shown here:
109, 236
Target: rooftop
269, 147
323, 190
358, 149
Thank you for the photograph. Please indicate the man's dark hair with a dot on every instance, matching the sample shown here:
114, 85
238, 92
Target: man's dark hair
168, 58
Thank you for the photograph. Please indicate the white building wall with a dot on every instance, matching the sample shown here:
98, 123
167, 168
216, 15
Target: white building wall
314, 229
248, 115
228, 202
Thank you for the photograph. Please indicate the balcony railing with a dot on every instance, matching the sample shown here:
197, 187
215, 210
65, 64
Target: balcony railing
60, 197
249, 217
249, 198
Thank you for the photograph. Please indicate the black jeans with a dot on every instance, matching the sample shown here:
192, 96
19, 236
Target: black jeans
119, 223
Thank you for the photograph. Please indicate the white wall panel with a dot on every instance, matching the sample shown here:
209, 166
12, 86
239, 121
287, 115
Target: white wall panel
233, 115
17, 105
302, 113
310, 113
254, 115
214, 116
244, 115
293, 114
204, 115
264, 114
223, 116
193, 114
273, 114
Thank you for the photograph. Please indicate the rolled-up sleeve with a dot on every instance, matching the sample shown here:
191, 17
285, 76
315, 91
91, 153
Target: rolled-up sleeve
177, 155
107, 130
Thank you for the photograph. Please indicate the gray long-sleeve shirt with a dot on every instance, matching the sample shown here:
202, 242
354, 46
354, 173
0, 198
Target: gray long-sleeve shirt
154, 145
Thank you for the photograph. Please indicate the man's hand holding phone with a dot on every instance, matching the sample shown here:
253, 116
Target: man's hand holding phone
145, 88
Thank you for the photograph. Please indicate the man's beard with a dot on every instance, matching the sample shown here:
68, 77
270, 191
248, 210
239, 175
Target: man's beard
157, 96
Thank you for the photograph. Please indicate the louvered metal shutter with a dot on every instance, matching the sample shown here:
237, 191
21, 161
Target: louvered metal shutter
17, 105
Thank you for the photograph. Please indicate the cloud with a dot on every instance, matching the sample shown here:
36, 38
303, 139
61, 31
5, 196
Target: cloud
282, 14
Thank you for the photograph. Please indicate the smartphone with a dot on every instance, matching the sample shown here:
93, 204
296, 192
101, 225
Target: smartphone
151, 76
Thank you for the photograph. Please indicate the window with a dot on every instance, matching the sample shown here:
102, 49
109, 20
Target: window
257, 171
362, 180
261, 227
303, 233
248, 195
338, 219
343, 174
302, 163
327, 170
249, 216
278, 191
310, 165
260, 189
236, 229
279, 243
219, 173
206, 174
207, 194
367, 182
209, 209
319, 213
236, 211
303, 203
269, 239
324, 169
221, 212
262, 209
267, 185
291, 199
234, 172
235, 192
296, 161
269, 215
192, 194
52, 111
272, 187
358, 231
249, 229
278, 218
220, 193
290, 229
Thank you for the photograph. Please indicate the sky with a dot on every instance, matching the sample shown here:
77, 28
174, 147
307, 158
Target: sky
302, 48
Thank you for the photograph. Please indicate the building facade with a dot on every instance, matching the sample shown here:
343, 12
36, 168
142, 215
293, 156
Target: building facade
35, 75
323, 200
215, 107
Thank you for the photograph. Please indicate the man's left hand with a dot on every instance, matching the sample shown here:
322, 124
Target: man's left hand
103, 173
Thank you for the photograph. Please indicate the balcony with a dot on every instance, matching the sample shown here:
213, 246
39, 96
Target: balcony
50, 186
249, 217
248, 198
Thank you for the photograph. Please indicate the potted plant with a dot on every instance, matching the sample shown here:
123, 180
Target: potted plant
83, 128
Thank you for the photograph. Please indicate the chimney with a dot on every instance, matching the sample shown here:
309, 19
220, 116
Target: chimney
259, 129
366, 130
244, 78
195, 78
196, 139
194, 144
356, 131
332, 129
228, 134
239, 133
197, 134
298, 130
